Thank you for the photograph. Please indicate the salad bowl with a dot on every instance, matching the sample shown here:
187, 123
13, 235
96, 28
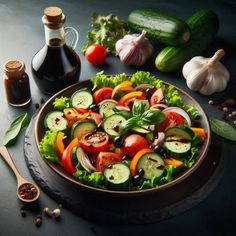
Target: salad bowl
67, 92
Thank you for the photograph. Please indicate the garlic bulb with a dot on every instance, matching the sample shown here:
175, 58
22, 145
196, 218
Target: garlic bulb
134, 49
206, 75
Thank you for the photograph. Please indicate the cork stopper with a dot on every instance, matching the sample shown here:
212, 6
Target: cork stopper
53, 17
14, 68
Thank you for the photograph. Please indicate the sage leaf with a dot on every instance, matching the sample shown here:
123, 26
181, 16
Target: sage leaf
14, 129
223, 129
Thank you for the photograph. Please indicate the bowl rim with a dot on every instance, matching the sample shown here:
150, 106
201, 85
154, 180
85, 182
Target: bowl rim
165, 186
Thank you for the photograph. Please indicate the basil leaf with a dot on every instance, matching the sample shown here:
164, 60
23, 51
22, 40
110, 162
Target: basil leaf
14, 129
152, 117
128, 124
223, 129
139, 107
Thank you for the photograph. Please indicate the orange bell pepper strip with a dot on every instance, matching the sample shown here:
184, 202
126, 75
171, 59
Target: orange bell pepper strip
129, 96
72, 114
66, 160
134, 161
124, 86
173, 162
59, 145
199, 131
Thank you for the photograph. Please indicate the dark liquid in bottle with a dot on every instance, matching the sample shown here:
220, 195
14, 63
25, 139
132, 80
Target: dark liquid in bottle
55, 67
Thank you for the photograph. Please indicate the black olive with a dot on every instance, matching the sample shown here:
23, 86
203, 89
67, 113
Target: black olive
141, 172
118, 141
159, 149
94, 107
136, 179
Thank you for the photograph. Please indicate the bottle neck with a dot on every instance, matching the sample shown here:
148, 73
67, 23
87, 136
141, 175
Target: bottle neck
54, 37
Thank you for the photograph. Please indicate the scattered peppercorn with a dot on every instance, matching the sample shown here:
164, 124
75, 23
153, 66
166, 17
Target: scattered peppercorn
210, 102
36, 105
229, 102
23, 213
234, 122
38, 221
233, 113
225, 109
230, 115
219, 107
57, 213
42, 101
27, 191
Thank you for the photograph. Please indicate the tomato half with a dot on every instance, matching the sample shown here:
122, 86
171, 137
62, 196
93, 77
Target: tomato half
102, 94
172, 119
94, 142
105, 159
133, 143
96, 117
96, 54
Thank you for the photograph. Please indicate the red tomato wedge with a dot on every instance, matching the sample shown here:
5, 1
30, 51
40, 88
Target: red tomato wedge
93, 143
156, 97
105, 159
102, 94
172, 119
66, 161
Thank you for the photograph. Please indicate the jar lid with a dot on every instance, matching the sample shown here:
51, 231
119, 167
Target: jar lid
53, 17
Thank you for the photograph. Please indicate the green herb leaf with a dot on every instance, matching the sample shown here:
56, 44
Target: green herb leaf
14, 129
223, 129
128, 124
152, 117
139, 107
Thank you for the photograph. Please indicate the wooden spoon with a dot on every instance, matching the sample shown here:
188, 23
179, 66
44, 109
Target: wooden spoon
26, 191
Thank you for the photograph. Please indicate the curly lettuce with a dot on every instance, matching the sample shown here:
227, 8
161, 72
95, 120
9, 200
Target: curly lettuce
61, 103
46, 146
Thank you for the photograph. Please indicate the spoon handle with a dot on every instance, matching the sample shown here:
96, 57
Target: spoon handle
6, 156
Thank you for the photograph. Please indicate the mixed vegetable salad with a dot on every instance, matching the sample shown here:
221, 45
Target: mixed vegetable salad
126, 133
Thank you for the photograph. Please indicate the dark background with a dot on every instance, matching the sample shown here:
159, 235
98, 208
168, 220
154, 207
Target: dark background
22, 35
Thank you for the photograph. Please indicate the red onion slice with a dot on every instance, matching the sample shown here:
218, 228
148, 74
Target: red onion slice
122, 108
161, 138
181, 112
86, 162
159, 105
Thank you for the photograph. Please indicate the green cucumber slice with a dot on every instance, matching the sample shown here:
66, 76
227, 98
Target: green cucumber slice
152, 165
82, 127
54, 120
117, 176
146, 129
81, 99
106, 107
111, 124
183, 132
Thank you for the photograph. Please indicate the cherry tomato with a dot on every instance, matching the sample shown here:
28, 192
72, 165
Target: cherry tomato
156, 97
105, 159
172, 119
94, 142
96, 54
96, 117
133, 143
102, 94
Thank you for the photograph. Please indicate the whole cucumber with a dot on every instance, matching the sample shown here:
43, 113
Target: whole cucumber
161, 26
204, 25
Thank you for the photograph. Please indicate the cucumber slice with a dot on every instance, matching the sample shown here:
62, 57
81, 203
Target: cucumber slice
77, 154
106, 107
183, 132
83, 127
152, 165
111, 124
117, 176
82, 99
146, 129
175, 147
54, 120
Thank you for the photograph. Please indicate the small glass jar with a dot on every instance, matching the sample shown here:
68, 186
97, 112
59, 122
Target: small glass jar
16, 83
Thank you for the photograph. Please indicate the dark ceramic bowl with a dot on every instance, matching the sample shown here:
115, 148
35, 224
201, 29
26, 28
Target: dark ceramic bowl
203, 122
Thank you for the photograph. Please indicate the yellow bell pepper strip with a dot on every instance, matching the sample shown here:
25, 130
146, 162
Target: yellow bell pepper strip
199, 131
173, 162
134, 161
72, 114
124, 86
59, 145
66, 160
129, 96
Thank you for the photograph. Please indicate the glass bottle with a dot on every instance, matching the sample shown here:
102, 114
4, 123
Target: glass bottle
16, 83
56, 65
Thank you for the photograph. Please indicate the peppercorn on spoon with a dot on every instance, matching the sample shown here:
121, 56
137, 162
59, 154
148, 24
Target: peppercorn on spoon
26, 191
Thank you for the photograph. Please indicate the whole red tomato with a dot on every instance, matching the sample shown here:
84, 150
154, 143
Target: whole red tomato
96, 54
134, 143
